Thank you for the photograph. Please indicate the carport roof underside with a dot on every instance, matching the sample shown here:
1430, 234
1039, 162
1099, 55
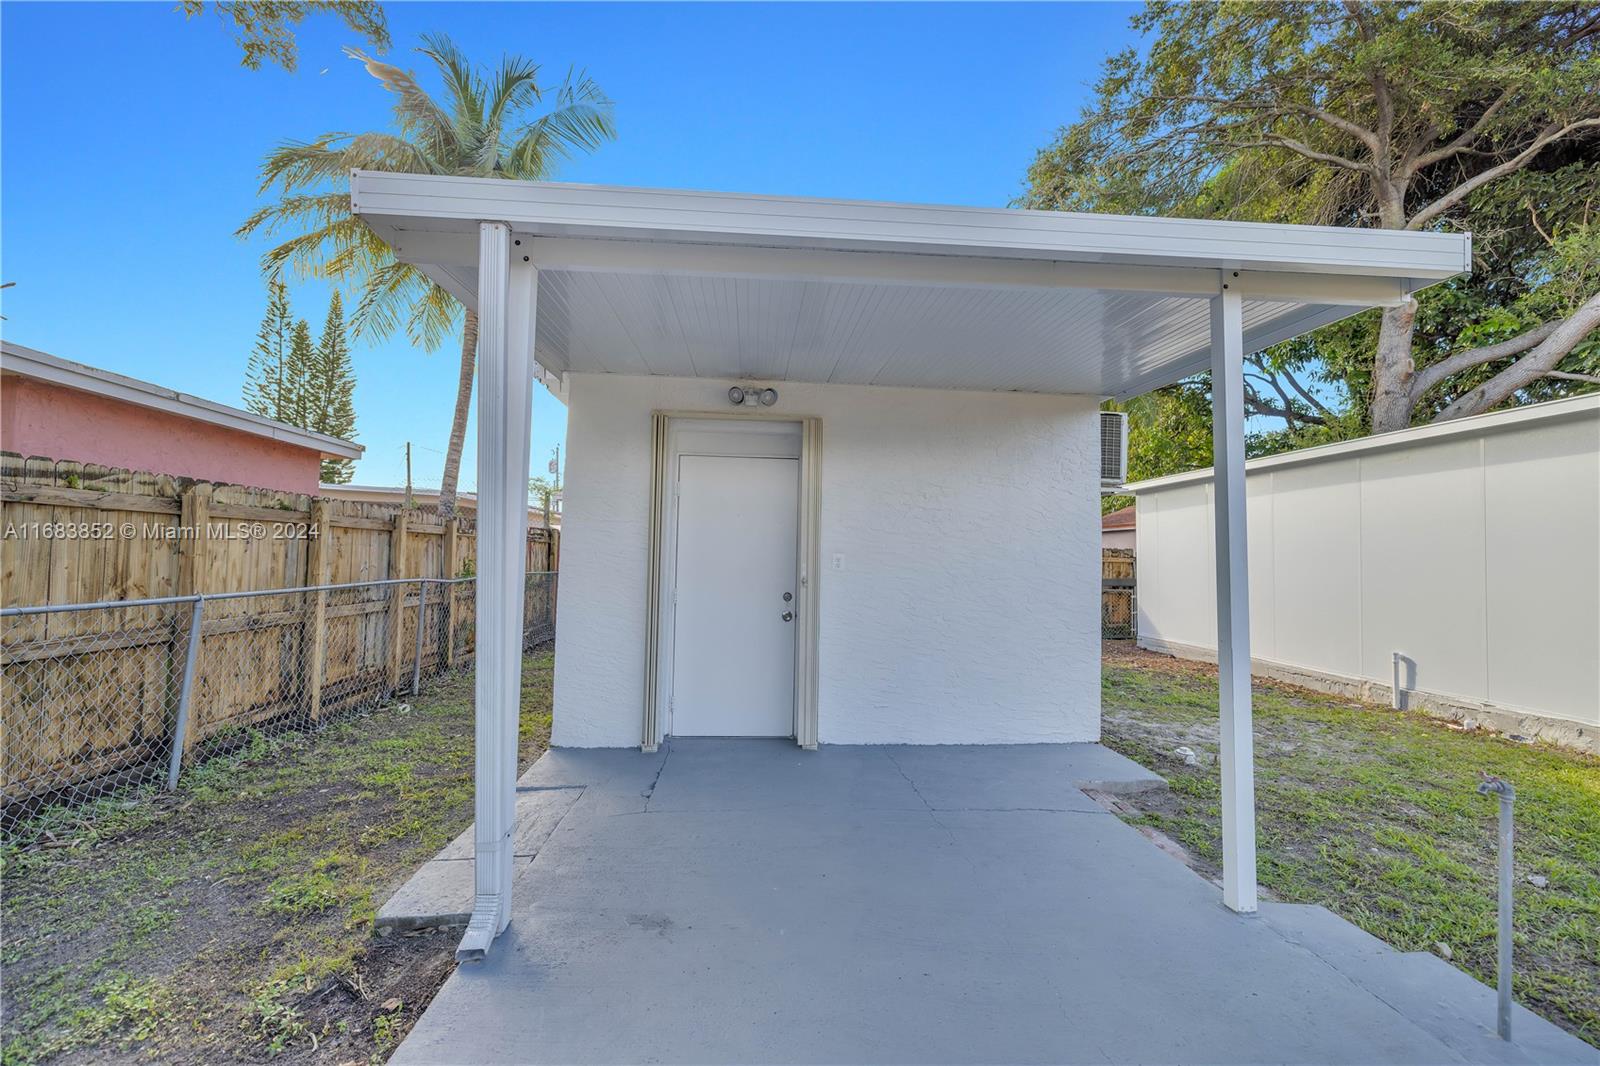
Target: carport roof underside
771, 289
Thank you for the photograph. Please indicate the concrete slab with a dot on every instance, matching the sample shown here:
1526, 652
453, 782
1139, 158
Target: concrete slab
736, 901
439, 894
1443, 1000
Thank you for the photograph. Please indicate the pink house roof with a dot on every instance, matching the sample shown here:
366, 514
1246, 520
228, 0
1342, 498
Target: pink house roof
30, 363
1122, 518
67, 412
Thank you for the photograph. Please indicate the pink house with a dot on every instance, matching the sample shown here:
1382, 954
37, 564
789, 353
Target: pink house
58, 409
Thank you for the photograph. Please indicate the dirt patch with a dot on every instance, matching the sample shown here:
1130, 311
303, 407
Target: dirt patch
232, 920
1374, 814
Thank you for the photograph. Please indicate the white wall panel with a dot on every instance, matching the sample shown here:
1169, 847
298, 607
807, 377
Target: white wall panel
966, 609
1263, 579
1316, 565
1543, 537
1472, 548
1183, 607
1422, 564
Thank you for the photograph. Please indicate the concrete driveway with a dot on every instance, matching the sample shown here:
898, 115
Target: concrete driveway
744, 901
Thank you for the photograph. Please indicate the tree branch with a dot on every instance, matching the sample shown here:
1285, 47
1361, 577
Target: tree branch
1587, 379
1338, 122
1531, 367
1304, 394
1255, 405
1276, 140
1444, 203
1461, 142
1258, 406
1434, 373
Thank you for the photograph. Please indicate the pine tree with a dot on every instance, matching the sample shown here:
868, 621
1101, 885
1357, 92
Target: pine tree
332, 391
294, 393
264, 373
309, 386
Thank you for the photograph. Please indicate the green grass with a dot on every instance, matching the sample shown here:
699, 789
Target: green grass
1374, 814
233, 920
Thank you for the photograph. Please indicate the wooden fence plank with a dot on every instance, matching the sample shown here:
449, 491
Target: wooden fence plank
397, 599
318, 558
98, 688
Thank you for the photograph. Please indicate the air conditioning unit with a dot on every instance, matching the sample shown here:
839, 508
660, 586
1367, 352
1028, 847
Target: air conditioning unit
1113, 451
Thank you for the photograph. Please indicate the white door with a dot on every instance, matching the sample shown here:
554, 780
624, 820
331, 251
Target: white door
733, 628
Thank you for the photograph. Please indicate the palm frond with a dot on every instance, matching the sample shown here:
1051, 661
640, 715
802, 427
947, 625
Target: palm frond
581, 122
342, 248
416, 111
295, 164
434, 317
400, 296
466, 89
318, 209
515, 87
385, 151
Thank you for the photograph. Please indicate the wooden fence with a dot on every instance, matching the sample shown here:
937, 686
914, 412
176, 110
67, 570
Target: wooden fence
1117, 615
91, 692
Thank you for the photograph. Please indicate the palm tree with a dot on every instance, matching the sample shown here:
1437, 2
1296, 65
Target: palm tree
483, 126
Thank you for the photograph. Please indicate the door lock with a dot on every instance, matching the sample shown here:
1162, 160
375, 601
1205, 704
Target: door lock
788, 616
787, 596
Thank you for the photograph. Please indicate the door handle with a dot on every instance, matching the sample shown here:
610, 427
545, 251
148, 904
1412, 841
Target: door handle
788, 616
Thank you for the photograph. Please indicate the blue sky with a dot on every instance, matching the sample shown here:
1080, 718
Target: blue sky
132, 140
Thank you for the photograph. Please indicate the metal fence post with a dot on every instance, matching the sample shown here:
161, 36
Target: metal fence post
422, 614
180, 731
1508, 798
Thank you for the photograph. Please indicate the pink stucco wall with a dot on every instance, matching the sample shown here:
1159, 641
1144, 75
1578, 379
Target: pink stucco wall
39, 418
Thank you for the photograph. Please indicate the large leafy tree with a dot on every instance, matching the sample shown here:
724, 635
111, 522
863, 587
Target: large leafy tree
484, 124
1404, 115
264, 29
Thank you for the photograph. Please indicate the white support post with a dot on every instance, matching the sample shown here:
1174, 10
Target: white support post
1233, 598
507, 289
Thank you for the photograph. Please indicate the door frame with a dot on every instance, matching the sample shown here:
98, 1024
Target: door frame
658, 627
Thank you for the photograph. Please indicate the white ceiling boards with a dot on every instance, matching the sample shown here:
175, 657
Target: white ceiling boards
690, 284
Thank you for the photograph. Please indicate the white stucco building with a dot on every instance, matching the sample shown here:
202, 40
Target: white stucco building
892, 539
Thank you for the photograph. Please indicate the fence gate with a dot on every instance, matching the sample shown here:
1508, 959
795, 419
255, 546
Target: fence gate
1118, 618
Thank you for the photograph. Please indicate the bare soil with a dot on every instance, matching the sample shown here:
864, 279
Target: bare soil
233, 920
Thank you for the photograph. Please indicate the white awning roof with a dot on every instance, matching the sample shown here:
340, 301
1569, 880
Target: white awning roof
762, 288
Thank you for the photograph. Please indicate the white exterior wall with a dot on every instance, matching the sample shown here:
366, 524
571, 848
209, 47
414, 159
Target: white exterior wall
1117, 538
967, 608
1473, 548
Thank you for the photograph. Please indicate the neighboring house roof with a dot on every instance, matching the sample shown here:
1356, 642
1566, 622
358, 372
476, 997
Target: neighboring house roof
467, 501
30, 363
1121, 518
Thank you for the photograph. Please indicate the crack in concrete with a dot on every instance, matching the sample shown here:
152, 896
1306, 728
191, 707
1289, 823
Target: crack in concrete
656, 780
932, 813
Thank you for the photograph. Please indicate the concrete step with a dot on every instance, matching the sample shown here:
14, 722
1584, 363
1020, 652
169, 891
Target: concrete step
440, 893
1445, 1002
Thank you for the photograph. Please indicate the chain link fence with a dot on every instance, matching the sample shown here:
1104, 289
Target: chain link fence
100, 697
1118, 615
